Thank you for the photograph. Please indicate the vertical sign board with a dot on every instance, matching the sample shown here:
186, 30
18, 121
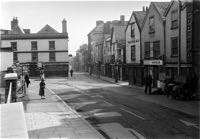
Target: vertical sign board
151, 49
189, 31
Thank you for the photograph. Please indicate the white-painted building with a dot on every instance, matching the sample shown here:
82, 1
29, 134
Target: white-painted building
47, 46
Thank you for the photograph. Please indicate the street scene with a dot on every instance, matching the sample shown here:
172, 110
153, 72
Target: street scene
100, 69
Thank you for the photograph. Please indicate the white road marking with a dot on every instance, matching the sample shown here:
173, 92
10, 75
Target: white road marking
189, 124
133, 114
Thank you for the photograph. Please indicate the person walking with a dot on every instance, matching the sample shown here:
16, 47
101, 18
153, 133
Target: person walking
42, 89
26, 78
148, 83
71, 72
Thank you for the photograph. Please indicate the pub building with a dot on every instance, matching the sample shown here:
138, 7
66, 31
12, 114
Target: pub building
153, 41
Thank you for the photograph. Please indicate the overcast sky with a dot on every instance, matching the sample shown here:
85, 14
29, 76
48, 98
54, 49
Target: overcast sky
81, 16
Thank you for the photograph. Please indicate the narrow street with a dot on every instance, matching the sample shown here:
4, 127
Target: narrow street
115, 111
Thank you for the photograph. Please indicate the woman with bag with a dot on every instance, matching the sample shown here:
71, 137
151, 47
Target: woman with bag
42, 89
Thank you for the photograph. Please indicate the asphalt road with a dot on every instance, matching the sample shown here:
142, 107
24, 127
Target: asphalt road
109, 106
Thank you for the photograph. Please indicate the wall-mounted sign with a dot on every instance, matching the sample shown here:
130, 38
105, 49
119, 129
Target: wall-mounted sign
134, 41
153, 62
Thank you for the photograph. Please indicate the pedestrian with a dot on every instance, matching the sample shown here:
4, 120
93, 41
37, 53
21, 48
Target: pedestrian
26, 78
42, 89
148, 83
71, 72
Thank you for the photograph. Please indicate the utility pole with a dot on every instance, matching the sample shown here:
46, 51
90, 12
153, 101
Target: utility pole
179, 39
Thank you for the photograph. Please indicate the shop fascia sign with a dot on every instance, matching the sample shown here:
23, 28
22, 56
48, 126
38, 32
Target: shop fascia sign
153, 62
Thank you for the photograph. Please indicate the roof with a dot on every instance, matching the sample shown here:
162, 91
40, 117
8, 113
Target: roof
17, 30
161, 7
139, 15
34, 36
47, 29
119, 32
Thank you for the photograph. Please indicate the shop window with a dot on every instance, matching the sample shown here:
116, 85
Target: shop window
51, 45
52, 56
174, 19
133, 52
14, 46
34, 57
147, 50
133, 30
151, 24
156, 49
174, 46
34, 45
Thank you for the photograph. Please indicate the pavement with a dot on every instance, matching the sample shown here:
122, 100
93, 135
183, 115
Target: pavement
52, 117
190, 107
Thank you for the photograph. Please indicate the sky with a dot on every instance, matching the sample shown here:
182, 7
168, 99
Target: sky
81, 15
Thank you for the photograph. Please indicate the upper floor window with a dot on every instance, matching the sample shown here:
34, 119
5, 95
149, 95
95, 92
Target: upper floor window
52, 56
151, 24
133, 52
133, 30
174, 19
174, 46
147, 49
14, 46
51, 45
33, 45
156, 49
34, 57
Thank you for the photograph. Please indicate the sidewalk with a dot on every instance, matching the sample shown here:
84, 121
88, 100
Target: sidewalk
189, 107
52, 118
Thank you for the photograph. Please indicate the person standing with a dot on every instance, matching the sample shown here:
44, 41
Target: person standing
71, 72
26, 78
148, 83
42, 89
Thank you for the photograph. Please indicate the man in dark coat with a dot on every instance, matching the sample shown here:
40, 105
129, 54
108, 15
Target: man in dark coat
148, 83
27, 80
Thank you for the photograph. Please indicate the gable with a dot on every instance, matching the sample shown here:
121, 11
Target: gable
47, 29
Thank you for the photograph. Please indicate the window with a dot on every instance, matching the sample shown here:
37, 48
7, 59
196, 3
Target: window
147, 49
156, 49
174, 46
133, 30
151, 24
52, 56
51, 45
33, 45
15, 57
174, 19
119, 51
34, 57
14, 46
133, 52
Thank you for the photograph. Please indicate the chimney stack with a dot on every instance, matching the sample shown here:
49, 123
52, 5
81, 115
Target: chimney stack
64, 26
147, 8
122, 19
14, 22
99, 22
143, 8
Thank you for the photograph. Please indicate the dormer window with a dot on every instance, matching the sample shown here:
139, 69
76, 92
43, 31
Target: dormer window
133, 30
151, 24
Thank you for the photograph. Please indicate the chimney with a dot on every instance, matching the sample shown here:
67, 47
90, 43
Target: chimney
14, 22
99, 22
143, 8
147, 8
64, 26
122, 19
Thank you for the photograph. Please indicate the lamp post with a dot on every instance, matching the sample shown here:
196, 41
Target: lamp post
179, 39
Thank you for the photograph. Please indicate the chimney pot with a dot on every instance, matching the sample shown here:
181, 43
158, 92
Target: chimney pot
122, 19
143, 8
64, 26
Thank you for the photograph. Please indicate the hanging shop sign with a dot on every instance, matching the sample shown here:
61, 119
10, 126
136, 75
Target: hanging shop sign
153, 62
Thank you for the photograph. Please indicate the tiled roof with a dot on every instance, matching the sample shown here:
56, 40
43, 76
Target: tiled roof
161, 7
47, 29
140, 16
119, 32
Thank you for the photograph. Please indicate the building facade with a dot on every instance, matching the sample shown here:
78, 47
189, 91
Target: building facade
46, 49
133, 48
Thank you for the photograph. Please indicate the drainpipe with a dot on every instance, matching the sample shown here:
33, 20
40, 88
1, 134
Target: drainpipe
179, 39
164, 23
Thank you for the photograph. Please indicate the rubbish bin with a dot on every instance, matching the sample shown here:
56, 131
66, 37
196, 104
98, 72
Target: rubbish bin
11, 77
